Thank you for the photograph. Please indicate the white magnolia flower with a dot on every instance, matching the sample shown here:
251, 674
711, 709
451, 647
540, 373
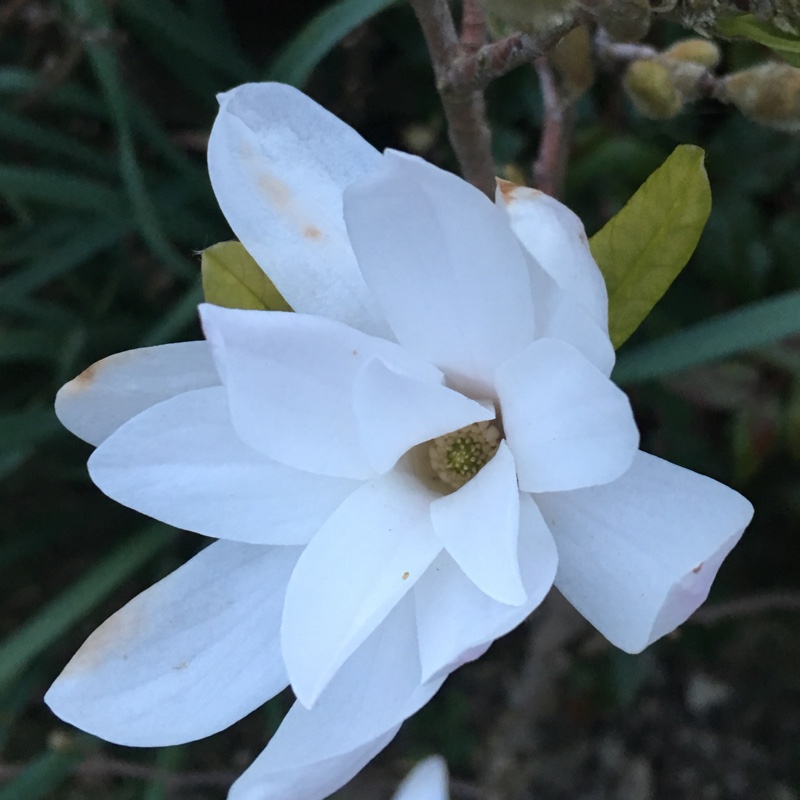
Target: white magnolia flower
427, 781
396, 473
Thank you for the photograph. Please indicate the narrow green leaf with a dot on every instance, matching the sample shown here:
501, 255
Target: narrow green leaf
645, 246
176, 320
297, 60
750, 27
42, 775
747, 328
22, 429
71, 606
232, 279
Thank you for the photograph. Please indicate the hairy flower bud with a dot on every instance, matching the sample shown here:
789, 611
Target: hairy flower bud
529, 16
652, 90
696, 51
625, 20
572, 60
768, 93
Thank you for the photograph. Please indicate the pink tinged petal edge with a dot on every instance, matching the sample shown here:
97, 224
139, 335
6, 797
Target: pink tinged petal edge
638, 556
444, 266
556, 239
181, 462
456, 622
117, 388
395, 412
290, 380
427, 781
316, 751
566, 423
279, 164
479, 526
186, 658
357, 568
559, 315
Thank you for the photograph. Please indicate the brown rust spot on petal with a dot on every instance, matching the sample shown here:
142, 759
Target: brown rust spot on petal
111, 640
405, 576
278, 193
506, 189
698, 567
312, 232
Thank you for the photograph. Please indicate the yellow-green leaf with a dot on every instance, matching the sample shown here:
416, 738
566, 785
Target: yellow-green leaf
232, 279
644, 247
748, 26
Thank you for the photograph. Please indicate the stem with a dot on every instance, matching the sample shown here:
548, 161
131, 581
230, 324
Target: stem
550, 167
464, 108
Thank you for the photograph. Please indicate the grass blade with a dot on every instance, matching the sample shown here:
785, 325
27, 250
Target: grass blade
74, 603
297, 60
744, 329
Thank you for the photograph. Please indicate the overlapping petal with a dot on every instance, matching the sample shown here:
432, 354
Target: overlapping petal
178, 662
117, 388
427, 781
360, 564
453, 286
567, 425
479, 526
316, 751
290, 381
555, 237
456, 621
638, 556
181, 462
395, 412
279, 164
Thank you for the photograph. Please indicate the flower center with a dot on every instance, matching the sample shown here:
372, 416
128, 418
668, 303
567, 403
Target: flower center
458, 456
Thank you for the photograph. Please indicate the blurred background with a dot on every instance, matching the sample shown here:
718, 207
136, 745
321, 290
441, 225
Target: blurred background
105, 109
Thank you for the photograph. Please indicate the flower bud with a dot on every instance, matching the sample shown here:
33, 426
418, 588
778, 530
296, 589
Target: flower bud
696, 51
572, 60
625, 20
768, 93
529, 16
652, 91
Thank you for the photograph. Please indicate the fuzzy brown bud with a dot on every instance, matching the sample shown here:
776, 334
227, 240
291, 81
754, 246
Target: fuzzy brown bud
768, 93
528, 16
652, 90
625, 20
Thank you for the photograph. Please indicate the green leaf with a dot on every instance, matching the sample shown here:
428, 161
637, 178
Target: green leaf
747, 328
43, 775
748, 26
232, 279
297, 60
645, 246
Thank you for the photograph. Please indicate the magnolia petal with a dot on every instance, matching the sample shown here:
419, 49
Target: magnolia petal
181, 462
479, 526
188, 657
117, 388
279, 164
566, 423
394, 412
316, 751
355, 570
560, 316
444, 266
456, 621
555, 237
290, 384
427, 781
638, 556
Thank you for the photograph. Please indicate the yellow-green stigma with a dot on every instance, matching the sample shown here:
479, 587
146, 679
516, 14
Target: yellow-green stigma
458, 456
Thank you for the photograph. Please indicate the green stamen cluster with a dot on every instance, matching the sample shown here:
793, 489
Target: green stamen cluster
458, 456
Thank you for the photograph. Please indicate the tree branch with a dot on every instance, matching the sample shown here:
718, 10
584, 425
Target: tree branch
464, 108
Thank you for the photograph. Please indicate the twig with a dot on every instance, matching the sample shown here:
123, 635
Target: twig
464, 109
473, 26
515, 738
477, 70
99, 766
550, 166
747, 606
